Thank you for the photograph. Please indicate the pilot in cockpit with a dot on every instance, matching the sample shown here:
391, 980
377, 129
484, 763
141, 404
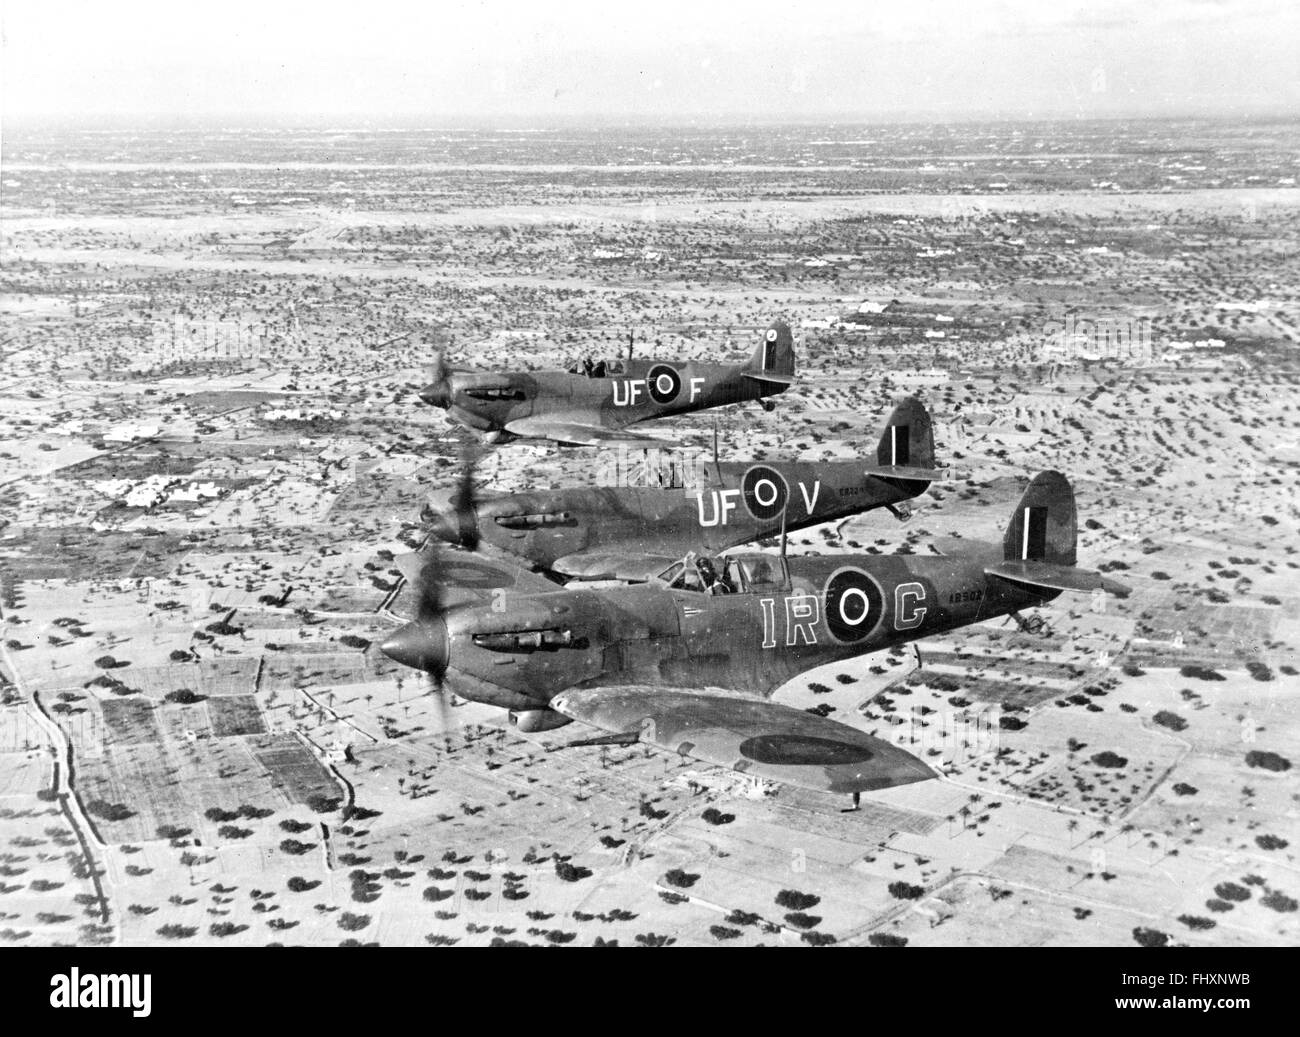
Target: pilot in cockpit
709, 578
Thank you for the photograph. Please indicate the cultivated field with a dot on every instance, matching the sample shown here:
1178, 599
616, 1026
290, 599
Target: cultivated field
211, 453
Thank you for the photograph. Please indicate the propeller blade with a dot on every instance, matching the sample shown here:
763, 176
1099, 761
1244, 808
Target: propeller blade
463, 505
437, 393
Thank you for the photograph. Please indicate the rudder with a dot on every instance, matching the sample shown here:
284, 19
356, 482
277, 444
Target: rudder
908, 439
773, 360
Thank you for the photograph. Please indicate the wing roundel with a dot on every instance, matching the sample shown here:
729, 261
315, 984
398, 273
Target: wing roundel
752, 736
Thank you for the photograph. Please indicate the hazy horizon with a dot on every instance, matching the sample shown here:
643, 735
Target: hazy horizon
470, 64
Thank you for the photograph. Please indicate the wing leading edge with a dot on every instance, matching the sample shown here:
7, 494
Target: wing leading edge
462, 578
580, 433
752, 736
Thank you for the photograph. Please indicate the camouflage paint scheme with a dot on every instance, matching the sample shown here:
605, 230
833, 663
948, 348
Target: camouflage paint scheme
527, 648
575, 408
615, 532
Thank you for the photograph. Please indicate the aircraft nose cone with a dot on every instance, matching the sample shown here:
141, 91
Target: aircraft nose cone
421, 645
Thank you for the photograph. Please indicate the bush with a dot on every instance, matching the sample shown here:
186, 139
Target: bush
1231, 891
793, 900
217, 814
681, 879
905, 891
1150, 937
295, 848
109, 811
297, 884
799, 920
571, 872
1167, 718
1267, 761
1271, 842
1107, 758
351, 923
1278, 901
716, 817
886, 940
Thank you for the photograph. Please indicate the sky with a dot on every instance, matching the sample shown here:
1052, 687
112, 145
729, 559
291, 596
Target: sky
382, 61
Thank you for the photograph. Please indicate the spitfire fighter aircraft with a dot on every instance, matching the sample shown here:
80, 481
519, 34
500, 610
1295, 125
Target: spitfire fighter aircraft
594, 403
632, 532
687, 662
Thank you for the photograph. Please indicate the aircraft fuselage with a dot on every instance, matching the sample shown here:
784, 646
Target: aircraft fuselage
523, 649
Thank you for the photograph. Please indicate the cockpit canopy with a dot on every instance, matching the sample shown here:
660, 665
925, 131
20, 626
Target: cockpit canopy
598, 368
731, 574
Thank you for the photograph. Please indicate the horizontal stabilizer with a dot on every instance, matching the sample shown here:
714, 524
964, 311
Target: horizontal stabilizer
767, 376
606, 565
892, 471
1055, 577
753, 736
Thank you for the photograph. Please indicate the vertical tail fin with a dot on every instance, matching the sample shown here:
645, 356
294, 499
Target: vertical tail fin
1044, 527
1038, 552
906, 447
773, 360
908, 439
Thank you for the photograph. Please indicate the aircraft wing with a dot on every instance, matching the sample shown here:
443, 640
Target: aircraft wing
609, 565
580, 432
752, 736
464, 578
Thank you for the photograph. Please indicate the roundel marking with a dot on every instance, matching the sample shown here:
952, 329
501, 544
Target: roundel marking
664, 383
802, 750
771, 334
855, 605
765, 492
